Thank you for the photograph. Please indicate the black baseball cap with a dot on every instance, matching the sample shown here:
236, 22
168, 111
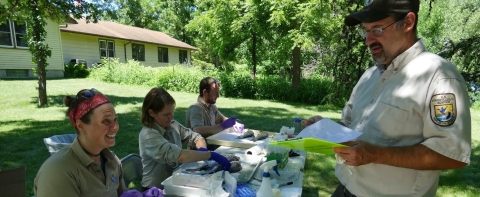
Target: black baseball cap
376, 10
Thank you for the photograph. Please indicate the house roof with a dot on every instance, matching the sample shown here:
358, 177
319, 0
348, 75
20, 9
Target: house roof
125, 32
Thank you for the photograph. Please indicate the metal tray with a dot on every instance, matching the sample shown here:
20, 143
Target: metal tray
249, 163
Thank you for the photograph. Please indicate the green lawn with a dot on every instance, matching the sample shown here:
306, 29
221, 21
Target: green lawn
23, 126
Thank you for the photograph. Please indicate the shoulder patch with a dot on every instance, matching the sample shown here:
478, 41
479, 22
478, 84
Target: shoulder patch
443, 109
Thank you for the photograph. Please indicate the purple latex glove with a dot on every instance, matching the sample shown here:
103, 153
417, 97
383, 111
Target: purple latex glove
228, 123
202, 149
153, 192
131, 193
221, 160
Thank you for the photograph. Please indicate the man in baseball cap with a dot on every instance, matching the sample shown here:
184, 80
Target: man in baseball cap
376, 10
412, 108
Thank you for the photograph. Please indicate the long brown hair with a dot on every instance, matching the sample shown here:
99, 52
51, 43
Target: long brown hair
156, 99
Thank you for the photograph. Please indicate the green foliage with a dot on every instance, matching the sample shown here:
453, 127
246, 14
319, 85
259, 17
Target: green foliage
73, 70
237, 84
176, 77
203, 65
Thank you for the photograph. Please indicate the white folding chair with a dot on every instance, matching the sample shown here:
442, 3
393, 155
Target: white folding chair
57, 142
132, 168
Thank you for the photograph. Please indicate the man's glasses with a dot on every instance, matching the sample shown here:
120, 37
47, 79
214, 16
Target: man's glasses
376, 31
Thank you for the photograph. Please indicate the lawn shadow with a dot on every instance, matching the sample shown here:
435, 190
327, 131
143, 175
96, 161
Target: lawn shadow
57, 100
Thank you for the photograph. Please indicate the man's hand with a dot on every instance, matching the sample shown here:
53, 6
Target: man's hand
228, 123
311, 120
359, 153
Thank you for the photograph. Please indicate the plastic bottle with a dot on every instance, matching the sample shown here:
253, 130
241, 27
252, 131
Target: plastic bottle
265, 189
297, 124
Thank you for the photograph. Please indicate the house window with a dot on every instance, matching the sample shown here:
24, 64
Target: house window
162, 54
107, 48
138, 52
13, 34
182, 57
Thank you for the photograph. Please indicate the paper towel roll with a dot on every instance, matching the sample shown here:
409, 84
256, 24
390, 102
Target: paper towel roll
256, 150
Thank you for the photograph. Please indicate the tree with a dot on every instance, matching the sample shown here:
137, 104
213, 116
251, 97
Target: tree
35, 13
167, 16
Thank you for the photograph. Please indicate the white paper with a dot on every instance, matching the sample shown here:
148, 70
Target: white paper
329, 130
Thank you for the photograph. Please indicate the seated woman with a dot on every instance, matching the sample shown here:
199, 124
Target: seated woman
87, 167
160, 140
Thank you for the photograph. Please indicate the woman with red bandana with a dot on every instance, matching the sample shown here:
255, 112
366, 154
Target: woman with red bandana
87, 167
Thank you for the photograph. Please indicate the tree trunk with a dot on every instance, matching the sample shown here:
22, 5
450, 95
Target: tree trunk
296, 68
254, 55
39, 50
42, 83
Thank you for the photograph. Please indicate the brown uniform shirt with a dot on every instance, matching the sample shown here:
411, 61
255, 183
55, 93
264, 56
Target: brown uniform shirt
199, 114
71, 172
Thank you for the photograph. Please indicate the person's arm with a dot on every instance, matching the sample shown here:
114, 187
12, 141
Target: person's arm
417, 157
187, 156
206, 131
201, 143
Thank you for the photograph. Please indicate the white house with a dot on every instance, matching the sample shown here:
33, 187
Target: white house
91, 42
16, 60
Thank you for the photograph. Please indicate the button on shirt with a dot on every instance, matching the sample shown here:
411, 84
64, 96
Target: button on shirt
71, 172
392, 108
160, 149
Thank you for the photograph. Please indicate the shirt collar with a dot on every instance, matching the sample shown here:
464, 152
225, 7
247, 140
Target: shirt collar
200, 100
404, 58
84, 158
160, 129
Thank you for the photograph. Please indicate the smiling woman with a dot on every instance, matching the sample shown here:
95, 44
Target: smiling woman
87, 167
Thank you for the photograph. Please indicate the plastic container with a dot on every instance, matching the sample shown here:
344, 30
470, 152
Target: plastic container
297, 124
290, 172
198, 185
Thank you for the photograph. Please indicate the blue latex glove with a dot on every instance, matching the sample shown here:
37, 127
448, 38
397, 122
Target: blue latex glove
228, 123
220, 159
153, 192
131, 193
202, 149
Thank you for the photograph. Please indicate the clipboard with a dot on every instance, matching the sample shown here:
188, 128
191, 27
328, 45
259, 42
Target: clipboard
309, 144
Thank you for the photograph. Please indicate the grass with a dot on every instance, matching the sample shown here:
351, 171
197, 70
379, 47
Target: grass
23, 126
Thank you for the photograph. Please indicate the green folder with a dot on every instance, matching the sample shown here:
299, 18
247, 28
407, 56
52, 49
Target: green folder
309, 144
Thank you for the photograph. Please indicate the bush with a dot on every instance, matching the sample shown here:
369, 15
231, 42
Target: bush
237, 84
73, 70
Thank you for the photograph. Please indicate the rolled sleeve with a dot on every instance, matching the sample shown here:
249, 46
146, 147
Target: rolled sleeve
195, 116
159, 149
453, 141
188, 136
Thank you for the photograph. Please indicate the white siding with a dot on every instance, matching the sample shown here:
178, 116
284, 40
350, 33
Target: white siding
80, 46
20, 58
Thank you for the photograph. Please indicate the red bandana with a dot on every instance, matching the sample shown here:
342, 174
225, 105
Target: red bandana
85, 106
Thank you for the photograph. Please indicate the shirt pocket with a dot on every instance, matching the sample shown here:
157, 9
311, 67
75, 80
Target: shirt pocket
387, 124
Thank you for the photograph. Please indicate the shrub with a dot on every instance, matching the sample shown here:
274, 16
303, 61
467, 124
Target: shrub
73, 70
237, 83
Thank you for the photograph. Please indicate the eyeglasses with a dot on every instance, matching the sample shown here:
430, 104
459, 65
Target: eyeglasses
376, 31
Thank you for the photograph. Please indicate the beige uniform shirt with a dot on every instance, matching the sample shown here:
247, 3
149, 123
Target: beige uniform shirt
419, 99
71, 172
199, 114
160, 149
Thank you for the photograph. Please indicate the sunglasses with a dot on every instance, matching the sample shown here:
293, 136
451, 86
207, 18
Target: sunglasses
215, 81
88, 93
